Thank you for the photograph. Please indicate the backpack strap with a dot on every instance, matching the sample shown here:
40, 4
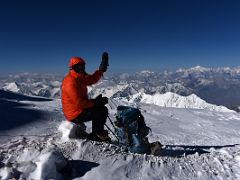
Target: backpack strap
126, 133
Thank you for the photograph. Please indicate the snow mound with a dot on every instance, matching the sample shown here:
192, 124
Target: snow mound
69, 130
49, 165
9, 173
170, 99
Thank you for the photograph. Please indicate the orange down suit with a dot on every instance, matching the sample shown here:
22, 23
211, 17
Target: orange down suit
74, 92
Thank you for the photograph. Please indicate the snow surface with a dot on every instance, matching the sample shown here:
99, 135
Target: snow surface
198, 144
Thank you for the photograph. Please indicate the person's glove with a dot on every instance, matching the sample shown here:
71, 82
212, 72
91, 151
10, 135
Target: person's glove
100, 101
104, 63
98, 98
103, 101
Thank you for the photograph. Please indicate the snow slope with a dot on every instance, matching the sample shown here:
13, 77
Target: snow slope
199, 144
170, 99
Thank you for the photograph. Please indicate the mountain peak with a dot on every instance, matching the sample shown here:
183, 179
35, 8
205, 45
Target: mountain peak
13, 86
194, 69
146, 72
199, 68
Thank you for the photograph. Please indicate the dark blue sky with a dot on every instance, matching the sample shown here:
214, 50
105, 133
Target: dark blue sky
41, 35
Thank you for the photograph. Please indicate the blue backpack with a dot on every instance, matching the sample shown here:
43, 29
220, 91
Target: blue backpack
131, 130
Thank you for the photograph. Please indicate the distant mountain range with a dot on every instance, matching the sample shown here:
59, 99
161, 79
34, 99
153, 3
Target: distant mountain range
45, 85
220, 86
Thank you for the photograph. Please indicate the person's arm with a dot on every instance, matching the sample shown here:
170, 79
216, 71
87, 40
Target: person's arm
91, 79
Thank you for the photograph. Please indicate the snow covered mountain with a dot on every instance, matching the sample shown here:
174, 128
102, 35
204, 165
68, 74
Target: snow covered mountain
174, 100
218, 86
123, 92
34, 144
33, 84
52, 90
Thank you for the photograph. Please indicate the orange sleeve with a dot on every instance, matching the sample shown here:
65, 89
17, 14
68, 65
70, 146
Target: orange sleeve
93, 78
76, 96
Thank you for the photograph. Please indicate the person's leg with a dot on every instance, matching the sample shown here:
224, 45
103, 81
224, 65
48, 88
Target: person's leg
99, 119
97, 114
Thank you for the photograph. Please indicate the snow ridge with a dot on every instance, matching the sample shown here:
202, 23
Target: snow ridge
170, 99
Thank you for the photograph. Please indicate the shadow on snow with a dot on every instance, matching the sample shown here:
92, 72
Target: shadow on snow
14, 96
14, 113
184, 150
78, 168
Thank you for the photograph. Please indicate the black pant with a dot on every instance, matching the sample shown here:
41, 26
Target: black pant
97, 114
